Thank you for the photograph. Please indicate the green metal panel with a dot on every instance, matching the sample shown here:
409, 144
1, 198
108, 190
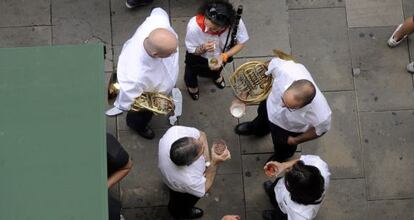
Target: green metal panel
52, 133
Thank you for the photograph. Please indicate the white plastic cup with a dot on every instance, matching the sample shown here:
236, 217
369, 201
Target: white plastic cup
237, 108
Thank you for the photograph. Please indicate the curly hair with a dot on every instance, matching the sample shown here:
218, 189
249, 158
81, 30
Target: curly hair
227, 7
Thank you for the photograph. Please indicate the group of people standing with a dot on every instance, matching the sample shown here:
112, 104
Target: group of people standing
294, 112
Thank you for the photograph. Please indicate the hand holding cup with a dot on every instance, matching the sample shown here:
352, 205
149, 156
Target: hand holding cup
273, 168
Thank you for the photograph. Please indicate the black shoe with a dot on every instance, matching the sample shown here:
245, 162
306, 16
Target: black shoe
268, 215
135, 3
195, 213
194, 95
221, 84
147, 133
268, 187
244, 128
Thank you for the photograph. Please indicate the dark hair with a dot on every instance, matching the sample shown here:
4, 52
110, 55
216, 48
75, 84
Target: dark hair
304, 183
183, 151
220, 12
306, 90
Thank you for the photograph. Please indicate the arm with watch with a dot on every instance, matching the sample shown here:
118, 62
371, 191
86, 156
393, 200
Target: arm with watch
212, 166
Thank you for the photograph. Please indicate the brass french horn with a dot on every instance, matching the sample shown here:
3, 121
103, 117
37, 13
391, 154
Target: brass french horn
155, 102
250, 83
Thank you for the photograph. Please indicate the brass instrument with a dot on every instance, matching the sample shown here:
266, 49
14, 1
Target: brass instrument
249, 82
155, 102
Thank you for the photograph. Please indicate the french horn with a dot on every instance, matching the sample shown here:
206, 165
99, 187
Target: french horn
250, 83
155, 102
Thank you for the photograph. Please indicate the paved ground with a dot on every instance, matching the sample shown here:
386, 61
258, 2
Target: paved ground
369, 148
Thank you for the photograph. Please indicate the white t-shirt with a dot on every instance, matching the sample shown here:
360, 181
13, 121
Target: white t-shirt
186, 179
317, 114
195, 37
137, 71
294, 210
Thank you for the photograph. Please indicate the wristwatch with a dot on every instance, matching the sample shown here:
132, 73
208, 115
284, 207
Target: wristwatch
208, 164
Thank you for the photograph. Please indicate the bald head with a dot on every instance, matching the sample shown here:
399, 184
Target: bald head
299, 93
161, 43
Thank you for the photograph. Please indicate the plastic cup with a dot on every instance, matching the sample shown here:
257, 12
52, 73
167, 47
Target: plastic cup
271, 170
219, 146
237, 108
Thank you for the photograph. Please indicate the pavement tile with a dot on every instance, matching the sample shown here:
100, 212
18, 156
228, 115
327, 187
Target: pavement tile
371, 13
149, 213
340, 147
81, 21
387, 142
225, 197
266, 32
345, 199
215, 120
382, 75
391, 209
25, 36
184, 8
327, 56
301, 4
143, 187
24, 13
126, 21
254, 177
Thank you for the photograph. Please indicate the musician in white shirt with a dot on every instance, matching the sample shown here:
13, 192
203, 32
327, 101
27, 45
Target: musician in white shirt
148, 63
184, 162
295, 111
208, 36
298, 194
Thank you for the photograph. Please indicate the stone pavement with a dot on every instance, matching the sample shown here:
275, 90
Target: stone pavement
371, 143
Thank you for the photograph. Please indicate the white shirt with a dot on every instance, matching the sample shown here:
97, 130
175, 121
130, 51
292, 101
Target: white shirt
186, 179
137, 71
195, 37
317, 114
294, 210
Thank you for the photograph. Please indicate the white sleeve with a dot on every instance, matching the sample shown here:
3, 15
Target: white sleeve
242, 35
323, 127
191, 37
129, 90
198, 187
159, 13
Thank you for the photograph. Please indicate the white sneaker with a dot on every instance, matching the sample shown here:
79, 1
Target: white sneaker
410, 67
392, 42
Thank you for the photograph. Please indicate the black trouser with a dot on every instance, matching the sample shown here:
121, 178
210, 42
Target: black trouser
138, 120
278, 214
114, 208
180, 204
197, 66
262, 126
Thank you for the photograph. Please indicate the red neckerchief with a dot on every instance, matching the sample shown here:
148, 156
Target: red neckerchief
202, 25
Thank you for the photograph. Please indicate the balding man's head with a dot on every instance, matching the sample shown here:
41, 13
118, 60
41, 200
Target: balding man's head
299, 94
161, 43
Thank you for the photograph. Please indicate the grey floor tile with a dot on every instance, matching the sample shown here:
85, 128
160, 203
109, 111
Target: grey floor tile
210, 115
370, 13
267, 26
81, 22
340, 147
184, 8
225, 197
148, 213
319, 39
345, 199
126, 21
300, 4
24, 13
387, 143
143, 187
253, 176
383, 82
25, 36
391, 209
